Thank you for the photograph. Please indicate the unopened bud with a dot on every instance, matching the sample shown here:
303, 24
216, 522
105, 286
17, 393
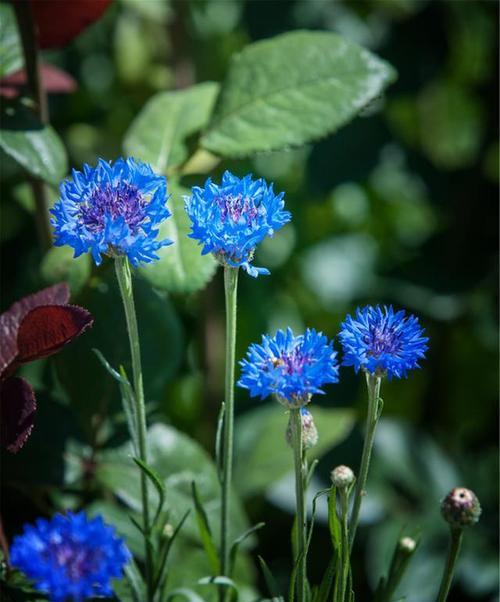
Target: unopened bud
309, 430
168, 531
342, 476
461, 508
407, 544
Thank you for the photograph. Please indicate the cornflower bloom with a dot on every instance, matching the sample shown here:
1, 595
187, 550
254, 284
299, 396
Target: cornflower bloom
232, 218
113, 209
71, 557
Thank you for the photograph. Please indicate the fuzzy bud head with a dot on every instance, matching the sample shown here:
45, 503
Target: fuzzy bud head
309, 430
342, 476
461, 508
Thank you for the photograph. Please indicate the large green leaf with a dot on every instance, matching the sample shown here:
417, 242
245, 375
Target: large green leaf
178, 460
181, 267
158, 134
262, 454
290, 90
34, 146
10, 46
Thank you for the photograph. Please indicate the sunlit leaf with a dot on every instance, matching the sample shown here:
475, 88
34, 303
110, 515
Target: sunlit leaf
290, 90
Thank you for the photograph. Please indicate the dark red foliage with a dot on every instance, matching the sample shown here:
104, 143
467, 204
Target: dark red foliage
59, 21
17, 412
54, 81
35, 327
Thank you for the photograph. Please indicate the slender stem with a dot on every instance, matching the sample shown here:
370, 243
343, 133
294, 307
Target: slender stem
449, 569
230, 288
373, 382
400, 560
32, 65
125, 283
344, 510
296, 423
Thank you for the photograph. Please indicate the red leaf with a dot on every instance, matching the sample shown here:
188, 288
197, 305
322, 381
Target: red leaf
46, 329
54, 80
10, 320
59, 21
17, 409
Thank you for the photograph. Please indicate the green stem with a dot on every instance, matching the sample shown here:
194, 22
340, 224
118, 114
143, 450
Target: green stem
230, 288
400, 560
296, 423
449, 569
125, 283
31, 55
344, 509
373, 382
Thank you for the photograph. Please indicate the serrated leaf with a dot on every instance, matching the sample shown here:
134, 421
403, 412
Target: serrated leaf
34, 146
290, 90
181, 267
10, 44
158, 134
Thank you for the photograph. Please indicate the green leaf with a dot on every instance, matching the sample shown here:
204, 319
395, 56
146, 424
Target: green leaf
290, 90
158, 134
158, 484
34, 146
135, 581
186, 593
181, 267
178, 460
59, 265
238, 541
205, 532
164, 552
271, 583
262, 455
221, 581
333, 521
10, 45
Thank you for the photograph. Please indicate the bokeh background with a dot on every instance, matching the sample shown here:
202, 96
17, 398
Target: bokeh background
398, 207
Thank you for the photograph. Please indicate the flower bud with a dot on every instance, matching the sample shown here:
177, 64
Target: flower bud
461, 508
342, 476
309, 430
407, 545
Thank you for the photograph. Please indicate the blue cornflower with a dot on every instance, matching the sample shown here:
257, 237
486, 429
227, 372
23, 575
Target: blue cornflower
71, 557
291, 367
382, 341
114, 208
230, 220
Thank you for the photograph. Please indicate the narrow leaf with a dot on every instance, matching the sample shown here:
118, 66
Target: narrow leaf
186, 593
237, 542
205, 532
135, 580
164, 552
271, 583
333, 521
158, 484
222, 582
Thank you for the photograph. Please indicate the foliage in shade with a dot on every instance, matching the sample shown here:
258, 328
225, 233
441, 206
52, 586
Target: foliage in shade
232, 218
291, 367
382, 341
113, 208
71, 557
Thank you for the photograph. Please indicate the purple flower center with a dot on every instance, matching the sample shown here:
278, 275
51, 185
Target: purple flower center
292, 362
381, 340
236, 207
113, 202
77, 561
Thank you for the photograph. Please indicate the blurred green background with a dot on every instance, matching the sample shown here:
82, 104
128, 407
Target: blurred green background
400, 206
